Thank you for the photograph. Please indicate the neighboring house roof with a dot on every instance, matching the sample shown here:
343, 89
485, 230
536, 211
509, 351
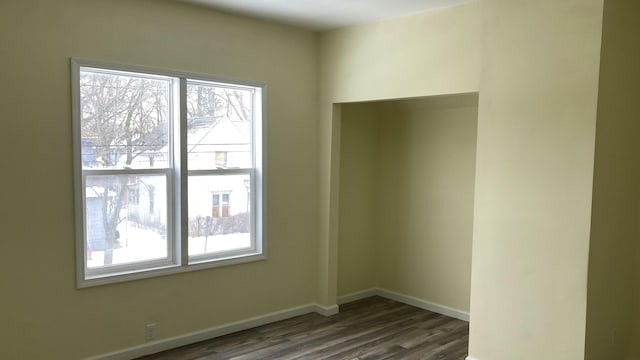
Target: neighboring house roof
222, 135
206, 137
222, 132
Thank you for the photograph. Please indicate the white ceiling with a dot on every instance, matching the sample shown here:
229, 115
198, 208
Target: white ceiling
325, 14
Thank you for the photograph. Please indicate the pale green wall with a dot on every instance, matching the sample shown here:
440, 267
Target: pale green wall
635, 330
431, 53
424, 199
43, 315
538, 61
538, 64
536, 138
406, 190
436, 52
614, 230
360, 167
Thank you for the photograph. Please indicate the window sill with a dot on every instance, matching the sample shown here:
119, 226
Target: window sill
114, 278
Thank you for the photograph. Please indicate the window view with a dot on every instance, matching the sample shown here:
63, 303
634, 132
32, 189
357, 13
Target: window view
125, 219
219, 213
219, 159
124, 126
131, 183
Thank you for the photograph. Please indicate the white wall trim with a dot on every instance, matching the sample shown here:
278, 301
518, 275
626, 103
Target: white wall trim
470, 358
423, 304
206, 334
210, 333
326, 310
358, 296
406, 299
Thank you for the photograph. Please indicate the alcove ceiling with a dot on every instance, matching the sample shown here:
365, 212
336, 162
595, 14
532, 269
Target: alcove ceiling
321, 15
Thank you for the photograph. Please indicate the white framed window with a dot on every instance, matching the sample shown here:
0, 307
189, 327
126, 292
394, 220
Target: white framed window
169, 171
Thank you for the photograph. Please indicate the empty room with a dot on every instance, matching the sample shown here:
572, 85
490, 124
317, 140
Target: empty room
453, 179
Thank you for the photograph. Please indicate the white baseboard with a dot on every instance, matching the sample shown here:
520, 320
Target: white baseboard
326, 310
470, 358
357, 296
423, 304
406, 299
206, 334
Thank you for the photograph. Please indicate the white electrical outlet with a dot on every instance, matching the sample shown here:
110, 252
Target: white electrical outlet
150, 332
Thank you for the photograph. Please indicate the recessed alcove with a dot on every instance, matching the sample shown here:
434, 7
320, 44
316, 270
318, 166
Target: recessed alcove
406, 192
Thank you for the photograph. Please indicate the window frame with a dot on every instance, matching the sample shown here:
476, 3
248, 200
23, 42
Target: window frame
176, 175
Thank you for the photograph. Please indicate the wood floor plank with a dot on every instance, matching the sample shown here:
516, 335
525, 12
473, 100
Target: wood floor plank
340, 333
369, 329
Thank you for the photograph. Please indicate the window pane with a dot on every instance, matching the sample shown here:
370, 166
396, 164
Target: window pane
218, 126
125, 219
214, 225
124, 120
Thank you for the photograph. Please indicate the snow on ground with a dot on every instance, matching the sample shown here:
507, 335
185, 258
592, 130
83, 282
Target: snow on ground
217, 243
143, 244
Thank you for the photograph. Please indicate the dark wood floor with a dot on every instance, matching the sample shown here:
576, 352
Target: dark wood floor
372, 328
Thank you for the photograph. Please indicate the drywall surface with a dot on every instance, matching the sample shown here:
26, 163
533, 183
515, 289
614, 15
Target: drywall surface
44, 315
360, 167
406, 191
614, 230
536, 139
635, 330
432, 53
424, 200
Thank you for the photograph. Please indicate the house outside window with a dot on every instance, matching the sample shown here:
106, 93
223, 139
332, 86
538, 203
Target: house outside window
221, 159
220, 205
168, 169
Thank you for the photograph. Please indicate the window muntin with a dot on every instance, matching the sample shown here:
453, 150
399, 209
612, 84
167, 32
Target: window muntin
140, 195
